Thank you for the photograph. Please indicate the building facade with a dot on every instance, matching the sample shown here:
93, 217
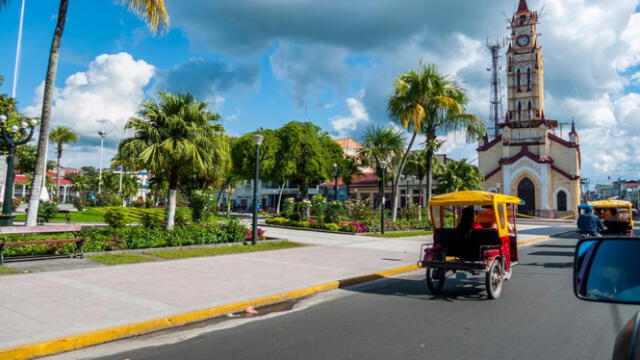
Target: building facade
529, 157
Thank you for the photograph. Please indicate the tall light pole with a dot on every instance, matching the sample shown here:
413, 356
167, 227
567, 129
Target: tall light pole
102, 136
383, 167
335, 176
257, 140
11, 138
413, 182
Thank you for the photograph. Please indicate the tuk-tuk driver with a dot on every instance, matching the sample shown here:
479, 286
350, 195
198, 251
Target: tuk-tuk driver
588, 223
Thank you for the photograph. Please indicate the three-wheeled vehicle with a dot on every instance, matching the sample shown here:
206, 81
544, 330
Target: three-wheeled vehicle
473, 232
617, 216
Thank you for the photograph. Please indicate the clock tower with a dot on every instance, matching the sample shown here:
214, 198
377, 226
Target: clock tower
531, 157
525, 68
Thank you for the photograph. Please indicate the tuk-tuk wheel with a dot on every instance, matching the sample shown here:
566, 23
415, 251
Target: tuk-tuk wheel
435, 279
494, 280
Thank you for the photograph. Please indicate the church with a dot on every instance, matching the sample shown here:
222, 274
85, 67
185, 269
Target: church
528, 156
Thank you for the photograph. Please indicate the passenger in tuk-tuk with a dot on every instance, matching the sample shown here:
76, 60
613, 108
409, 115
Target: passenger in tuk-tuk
613, 215
486, 218
466, 221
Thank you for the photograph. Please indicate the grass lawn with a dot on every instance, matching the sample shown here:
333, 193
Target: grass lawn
224, 250
397, 234
118, 259
6, 271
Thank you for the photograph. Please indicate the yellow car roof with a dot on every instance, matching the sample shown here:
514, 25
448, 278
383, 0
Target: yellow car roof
473, 198
610, 204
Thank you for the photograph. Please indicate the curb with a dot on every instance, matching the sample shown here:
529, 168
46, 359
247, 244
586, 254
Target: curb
542, 238
78, 341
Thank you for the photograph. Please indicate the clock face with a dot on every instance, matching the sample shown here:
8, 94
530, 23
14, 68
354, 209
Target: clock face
523, 40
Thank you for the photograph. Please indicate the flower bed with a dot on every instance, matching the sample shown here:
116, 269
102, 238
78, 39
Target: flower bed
135, 237
358, 227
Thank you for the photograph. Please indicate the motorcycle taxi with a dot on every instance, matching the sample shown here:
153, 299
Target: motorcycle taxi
474, 232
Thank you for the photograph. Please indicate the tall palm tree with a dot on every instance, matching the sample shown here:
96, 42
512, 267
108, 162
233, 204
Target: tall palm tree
381, 144
175, 138
154, 12
61, 135
457, 176
431, 104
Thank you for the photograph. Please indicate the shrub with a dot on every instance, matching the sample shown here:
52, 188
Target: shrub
277, 221
115, 242
411, 212
149, 202
201, 206
232, 231
359, 210
116, 201
105, 199
288, 209
79, 203
116, 217
332, 227
249, 235
304, 209
47, 210
151, 219
334, 211
182, 217
318, 205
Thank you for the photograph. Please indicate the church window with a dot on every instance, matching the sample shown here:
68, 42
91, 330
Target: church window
519, 111
523, 19
518, 80
529, 107
561, 200
528, 79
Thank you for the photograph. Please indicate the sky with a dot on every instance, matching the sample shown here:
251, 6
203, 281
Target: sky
263, 63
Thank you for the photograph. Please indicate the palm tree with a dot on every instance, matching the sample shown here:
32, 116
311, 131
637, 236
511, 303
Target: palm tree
153, 12
457, 176
349, 168
381, 144
174, 139
431, 104
80, 182
61, 135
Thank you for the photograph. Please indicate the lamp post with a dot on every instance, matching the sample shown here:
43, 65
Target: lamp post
498, 188
257, 139
413, 182
383, 167
335, 176
102, 136
11, 138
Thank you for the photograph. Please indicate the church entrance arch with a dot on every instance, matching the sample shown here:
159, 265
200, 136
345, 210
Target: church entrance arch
527, 192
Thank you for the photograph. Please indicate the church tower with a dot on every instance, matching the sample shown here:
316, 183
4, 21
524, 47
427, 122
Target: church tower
529, 159
525, 67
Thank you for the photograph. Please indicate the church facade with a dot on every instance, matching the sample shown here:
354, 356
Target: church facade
529, 157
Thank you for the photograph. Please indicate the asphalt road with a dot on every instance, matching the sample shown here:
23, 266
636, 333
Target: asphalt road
537, 317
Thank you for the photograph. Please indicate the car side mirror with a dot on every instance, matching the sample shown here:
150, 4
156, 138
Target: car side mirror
608, 270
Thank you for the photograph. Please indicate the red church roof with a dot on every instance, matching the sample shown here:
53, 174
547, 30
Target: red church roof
522, 7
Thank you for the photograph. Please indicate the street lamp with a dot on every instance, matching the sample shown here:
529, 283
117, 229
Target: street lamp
11, 138
498, 188
413, 182
335, 175
383, 167
102, 136
257, 140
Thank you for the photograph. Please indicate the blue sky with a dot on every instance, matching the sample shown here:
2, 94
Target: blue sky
262, 63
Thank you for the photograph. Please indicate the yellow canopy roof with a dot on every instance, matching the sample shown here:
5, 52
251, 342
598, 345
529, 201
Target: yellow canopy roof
610, 204
472, 198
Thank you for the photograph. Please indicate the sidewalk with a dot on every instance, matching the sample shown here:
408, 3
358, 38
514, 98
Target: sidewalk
42, 306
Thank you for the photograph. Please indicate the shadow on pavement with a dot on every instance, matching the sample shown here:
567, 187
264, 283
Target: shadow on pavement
454, 289
555, 246
550, 265
552, 253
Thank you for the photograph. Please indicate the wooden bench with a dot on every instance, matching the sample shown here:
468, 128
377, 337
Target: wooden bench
46, 229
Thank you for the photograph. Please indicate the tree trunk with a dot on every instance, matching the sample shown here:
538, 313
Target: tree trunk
43, 138
58, 173
421, 202
431, 137
173, 194
229, 193
280, 197
396, 187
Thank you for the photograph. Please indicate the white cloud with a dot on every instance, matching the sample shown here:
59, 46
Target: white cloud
111, 89
344, 126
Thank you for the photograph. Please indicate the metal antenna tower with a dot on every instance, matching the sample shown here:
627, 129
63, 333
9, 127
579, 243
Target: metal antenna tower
496, 89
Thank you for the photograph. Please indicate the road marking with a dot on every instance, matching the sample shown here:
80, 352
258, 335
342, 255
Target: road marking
78, 341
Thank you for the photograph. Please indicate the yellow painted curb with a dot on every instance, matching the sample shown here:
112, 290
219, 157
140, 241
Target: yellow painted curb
535, 239
77, 341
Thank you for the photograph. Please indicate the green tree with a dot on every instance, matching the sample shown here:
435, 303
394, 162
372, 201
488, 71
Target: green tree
416, 166
174, 138
348, 168
7, 104
381, 144
80, 183
152, 11
430, 103
458, 176
61, 135
309, 150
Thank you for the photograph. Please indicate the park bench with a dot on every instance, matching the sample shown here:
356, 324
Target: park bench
41, 229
